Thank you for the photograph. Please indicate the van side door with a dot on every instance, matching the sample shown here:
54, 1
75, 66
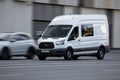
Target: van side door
73, 39
87, 43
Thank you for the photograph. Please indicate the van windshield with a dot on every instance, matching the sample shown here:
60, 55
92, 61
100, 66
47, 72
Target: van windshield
56, 31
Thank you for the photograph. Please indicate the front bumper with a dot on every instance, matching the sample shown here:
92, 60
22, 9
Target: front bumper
51, 52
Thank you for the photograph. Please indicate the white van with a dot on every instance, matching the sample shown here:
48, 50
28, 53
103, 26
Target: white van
72, 36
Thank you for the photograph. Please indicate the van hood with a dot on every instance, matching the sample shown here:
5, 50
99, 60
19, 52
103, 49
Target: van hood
50, 39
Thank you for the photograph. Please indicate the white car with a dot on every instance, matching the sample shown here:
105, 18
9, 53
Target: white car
16, 44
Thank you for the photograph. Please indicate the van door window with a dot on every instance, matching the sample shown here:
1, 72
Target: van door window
87, 30
74, 34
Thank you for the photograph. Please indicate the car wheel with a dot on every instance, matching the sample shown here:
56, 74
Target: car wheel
68, 55
100, 54
30, 53
41, 57
5, 54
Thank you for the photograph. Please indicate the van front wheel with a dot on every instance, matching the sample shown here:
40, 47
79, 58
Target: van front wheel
68, 55
100, 54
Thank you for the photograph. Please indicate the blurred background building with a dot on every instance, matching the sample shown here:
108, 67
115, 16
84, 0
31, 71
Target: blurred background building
32, 16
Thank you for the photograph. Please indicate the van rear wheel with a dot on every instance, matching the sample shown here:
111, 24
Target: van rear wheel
101, 54
68, 55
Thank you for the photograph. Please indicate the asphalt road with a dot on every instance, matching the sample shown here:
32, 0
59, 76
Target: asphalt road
85, 68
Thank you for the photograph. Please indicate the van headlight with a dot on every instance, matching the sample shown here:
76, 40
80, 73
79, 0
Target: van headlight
60, 42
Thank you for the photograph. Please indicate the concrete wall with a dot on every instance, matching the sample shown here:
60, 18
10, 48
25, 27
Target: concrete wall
68, 10
109, 4
60, 2
116, 29
15, 16
68, 2
41, 1
92, 11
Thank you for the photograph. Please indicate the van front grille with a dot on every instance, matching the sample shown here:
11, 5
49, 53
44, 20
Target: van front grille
46, 45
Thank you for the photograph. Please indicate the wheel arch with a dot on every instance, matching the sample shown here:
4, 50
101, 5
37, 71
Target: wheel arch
5, 48
70, 47
2, 55
31, 47
102, 46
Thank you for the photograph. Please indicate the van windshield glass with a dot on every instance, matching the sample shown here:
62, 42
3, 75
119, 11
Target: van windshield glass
56, 31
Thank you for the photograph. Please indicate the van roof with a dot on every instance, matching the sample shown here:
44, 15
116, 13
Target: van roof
76, 18
82, 17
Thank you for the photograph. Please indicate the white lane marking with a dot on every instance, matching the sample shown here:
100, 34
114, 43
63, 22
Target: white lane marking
35, 66
6, 75
112, 70
54, 65
16, 65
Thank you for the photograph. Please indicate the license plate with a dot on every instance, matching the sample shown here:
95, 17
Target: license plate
45, 51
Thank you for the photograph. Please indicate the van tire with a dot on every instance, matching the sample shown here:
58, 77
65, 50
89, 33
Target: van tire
101, 53
41, 57
69, 54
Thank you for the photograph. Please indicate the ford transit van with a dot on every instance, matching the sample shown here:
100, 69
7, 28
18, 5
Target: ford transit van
71, 36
